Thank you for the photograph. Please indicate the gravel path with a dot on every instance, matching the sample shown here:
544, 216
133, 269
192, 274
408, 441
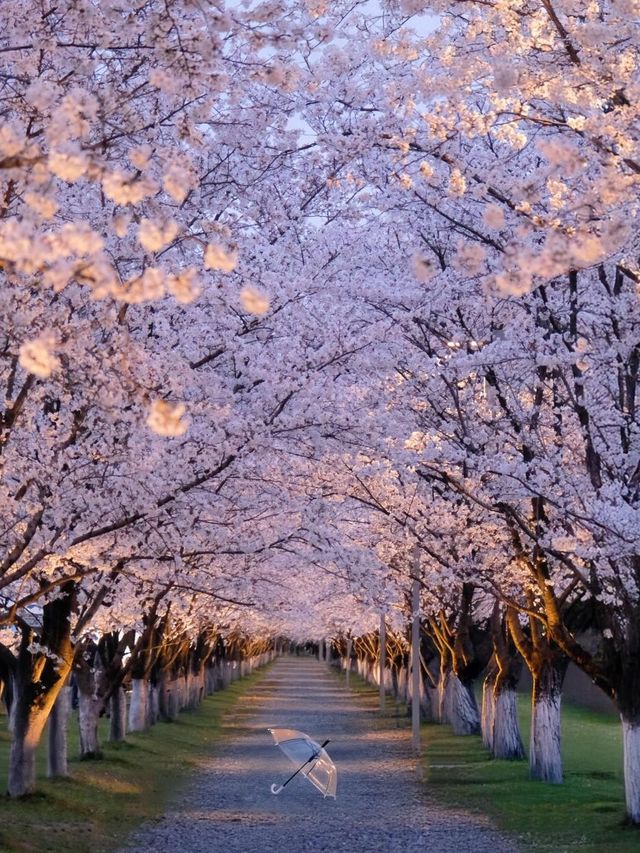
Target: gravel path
381, 806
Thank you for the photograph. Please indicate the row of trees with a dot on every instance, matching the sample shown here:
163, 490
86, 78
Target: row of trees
135, 678
458, 647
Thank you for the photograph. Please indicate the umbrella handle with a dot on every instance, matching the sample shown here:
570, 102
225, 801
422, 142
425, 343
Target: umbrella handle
275, 789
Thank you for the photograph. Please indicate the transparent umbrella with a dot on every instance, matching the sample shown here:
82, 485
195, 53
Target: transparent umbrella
310, 759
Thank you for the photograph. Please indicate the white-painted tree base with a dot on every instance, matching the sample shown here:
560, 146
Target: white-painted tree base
545, 760
88, 712
138, 707
506, 740
631, 741
461, 707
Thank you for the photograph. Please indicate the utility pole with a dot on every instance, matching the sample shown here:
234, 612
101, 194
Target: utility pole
349, 644
415, 653
383, 660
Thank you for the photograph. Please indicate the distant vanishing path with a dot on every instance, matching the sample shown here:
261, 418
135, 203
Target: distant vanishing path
381, 805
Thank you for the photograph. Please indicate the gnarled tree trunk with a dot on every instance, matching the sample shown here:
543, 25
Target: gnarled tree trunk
548, 667
464, 652
545, 758
144, 658
506, 740
88, 716
91, 685
461, 706
628, 701
42, 666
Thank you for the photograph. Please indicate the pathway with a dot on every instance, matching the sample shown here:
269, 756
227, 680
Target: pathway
381, 806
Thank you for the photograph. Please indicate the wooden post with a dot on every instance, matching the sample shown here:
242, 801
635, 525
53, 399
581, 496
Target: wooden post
383, 660
415, 662
349, 643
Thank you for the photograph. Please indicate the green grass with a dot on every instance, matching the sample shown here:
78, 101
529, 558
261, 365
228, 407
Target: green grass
585, 813
104, 800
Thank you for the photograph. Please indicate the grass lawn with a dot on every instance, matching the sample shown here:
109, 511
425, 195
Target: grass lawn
585, 813
92, 811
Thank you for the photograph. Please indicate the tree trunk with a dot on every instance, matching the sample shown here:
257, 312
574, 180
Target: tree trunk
487, 714
11, 721
173, 699
22, 761
153, 705
461, 707
545, 759
430, 706
183, 693
187, 702
138, 707
507, 741
29, 719
548, 666
39, 678
631, 742
91, 681
443, 680
89, 706
111, 650
210, 680
57, 739
118, 721
426, 700
164, 690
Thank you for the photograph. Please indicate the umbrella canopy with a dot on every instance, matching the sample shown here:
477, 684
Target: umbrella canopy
310, 759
